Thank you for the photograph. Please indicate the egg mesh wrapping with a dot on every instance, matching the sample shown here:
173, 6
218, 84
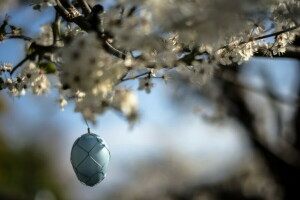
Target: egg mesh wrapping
90, 157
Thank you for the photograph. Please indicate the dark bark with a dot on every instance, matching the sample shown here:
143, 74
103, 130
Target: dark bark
286, 175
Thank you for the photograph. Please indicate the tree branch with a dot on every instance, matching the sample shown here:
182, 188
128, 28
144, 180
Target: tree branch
71, 14
114, 51
230, 78
38, 50
282, 159
56, 25
61, 10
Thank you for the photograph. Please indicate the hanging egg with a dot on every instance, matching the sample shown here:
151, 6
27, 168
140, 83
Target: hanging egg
90, 157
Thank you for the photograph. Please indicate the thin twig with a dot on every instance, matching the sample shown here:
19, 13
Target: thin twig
23, 37
21, 63
85, 7
115, 51
266, 36
274, 34
135, 77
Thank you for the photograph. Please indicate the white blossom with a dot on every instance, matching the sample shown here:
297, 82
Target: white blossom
202, 73
126, 101
145, 84
34, 78
43, 3
88, 68
45, 38
62, 103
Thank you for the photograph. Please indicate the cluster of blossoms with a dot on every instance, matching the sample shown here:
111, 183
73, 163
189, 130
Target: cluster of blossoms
286, 13
134, 28
31, 77
200, 22
281, 42
236, 53
90, 74
141, 39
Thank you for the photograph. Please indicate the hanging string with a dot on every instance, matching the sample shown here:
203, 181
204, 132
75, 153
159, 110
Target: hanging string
89, 130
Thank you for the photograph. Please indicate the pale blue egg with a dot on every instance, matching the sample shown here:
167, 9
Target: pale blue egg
90, 158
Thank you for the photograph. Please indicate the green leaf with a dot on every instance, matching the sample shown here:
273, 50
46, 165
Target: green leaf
48, 67
30, 50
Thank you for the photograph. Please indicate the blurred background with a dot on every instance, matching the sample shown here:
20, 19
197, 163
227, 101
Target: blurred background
235, 138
